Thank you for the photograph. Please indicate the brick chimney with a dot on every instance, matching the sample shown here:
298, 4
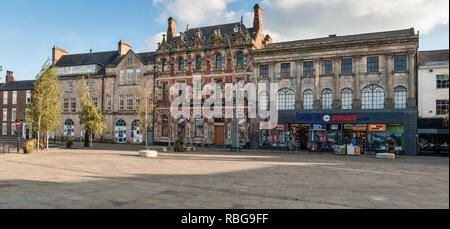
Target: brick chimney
258, 19
9, 76
171, 29
57, 53
123, 47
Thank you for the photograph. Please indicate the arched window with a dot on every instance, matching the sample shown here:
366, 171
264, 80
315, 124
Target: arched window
218, 61
327, 99
136, 132
400, 97
181, 64
308, 99
264, 101
198, 62
347, 98
373, 97
68, 127
120, 131
165, 126
240, 59
164, 65
286, 99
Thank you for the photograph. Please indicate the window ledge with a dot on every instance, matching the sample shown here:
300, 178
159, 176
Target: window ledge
325, 75
346, 74
402, 71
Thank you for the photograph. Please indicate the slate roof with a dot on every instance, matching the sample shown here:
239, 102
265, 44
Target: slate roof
208, 32
432, 56
17, 85
101, 58
347, 38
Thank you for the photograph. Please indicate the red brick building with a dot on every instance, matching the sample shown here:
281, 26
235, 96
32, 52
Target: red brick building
14, 98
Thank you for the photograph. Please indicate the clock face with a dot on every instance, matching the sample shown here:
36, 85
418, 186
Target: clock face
236, 29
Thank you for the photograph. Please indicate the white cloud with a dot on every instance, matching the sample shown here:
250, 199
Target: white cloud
151, 43
300, 19
303, 19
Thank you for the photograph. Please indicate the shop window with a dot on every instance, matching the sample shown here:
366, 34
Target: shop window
373, 97
347, 98
286, 99
308, 100
327, 99
400, 97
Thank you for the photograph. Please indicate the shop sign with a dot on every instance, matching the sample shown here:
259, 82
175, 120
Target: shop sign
334, 127
280, 127
332, 118
377, 127
317, 127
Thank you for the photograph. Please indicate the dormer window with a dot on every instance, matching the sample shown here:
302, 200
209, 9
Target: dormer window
78, 70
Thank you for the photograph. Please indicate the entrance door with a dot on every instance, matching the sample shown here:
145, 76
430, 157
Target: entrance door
219, 135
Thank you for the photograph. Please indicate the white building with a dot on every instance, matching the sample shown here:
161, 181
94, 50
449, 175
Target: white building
433, 97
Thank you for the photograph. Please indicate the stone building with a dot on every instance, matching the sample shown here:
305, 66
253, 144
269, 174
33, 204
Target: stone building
113, 79
204, 52
433, 97
339, 88
15, 96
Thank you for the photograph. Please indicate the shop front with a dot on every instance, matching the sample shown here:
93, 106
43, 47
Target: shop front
326, 131
433, 136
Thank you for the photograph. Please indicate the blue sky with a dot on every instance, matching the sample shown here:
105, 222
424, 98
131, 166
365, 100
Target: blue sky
30, 28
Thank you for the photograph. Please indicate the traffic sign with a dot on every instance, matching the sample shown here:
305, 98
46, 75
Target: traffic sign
18, 123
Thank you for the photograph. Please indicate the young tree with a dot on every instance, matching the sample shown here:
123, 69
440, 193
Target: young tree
45, 106
145, 106
90, 116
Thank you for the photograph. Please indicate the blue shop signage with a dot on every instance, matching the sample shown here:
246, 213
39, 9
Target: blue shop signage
317, 126
332, 118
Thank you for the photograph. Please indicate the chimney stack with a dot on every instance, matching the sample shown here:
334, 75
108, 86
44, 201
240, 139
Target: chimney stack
171, 29
123, 47
257, 20
57, 53
9, 76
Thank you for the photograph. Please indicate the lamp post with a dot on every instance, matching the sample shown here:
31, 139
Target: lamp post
235, 136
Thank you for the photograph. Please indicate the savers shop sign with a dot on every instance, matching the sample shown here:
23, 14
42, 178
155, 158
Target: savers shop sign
331, 118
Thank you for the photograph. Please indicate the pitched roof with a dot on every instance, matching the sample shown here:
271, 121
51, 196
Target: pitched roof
17, 85
347, 38
432, 56
208, 32
101, 58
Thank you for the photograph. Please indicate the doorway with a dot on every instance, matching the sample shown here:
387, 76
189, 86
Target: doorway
219, 135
